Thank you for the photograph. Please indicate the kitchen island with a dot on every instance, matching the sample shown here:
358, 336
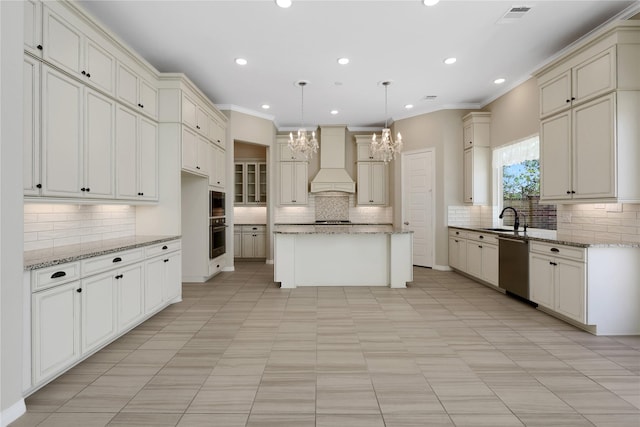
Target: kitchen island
342, 255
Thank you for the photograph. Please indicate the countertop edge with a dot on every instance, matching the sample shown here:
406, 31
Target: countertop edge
557, 241
90, 253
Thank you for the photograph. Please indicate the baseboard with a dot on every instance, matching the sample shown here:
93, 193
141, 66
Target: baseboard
442, 268
230, 268
269, 261
12, 413
194, 279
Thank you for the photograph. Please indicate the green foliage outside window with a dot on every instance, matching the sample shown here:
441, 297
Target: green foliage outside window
521, 180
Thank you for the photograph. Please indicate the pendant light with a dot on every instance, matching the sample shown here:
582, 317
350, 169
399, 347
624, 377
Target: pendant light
386, 148
302, 144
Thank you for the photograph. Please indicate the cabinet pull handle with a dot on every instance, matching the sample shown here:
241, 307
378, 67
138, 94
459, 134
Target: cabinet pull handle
117, 259
482, 237
568, 101
39, 47
38, 185
165, 247
58, 274
88, 189
197, 167
89, 75
573, 192
166, 260
568, 191
197, 127
480, 246
456, 241
555, 250
573, 98
84, 73
119, 276
79, 290
552, 263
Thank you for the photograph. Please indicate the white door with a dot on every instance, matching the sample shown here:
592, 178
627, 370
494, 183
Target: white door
418, 170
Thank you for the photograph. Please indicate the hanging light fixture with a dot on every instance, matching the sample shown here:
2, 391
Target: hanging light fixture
386, 148
302, 144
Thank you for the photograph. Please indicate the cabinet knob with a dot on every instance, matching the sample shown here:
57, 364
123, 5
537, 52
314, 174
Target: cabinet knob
89, 75
141, 105
84, 73
119, 276
573, 98
197, 167
197, 127
573, 192
166, 260
552, 263
164, 248
482, 237
555, 250
88, 189
480, 246
568, 191
83, 189
39, 47
406, 223
39, 186
79, 290
568, 101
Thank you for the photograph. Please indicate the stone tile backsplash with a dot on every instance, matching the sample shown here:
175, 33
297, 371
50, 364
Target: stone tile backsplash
357, 214
332, 207
600, 222
473, 216
53, 225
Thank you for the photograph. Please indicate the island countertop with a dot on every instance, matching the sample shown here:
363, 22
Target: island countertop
338, 229
41, 258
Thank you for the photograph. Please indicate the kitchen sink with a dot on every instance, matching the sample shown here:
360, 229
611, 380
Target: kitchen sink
499, 229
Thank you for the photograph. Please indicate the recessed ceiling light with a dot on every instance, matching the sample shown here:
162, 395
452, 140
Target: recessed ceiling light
283, 3
450, 61
334, 112
430, 2
241, 61
265, 106
343, 61
499, 81
408, 106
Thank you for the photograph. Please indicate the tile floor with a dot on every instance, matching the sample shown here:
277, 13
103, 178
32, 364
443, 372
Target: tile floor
239, 351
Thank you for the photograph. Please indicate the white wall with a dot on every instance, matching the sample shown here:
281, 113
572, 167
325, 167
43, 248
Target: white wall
11, 210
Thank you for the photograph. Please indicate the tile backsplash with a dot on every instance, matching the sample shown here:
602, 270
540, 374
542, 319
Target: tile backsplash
600, 222
250, 214
54, 225
332, 207
357, 214
472, 216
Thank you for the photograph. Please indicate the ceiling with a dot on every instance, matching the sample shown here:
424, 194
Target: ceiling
400, 41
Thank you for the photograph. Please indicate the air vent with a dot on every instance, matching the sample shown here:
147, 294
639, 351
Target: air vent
514, 14
430, 97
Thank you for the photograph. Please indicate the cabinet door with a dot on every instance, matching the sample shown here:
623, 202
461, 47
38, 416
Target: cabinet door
202, 158
595, 76
301, 183
148, 163
239, 183
490, 264
287, 155
260, 245
189, 150
474, 259
130, 296
101, 67
454, 253
98, 310
555, 95
287, 171
220, 167
127, 86
262, 183
364, 184
98, 145
153, 284
570, 283
148, 99
62, 122
189, 112
541, 280
55, 329
33, 27
555, 157
62, 42
172, 284
126, 154
468, 176
378, 179
594, 149
237, 244
364, 152
248, 248
202, 122
467, 136
31, 125
251, 176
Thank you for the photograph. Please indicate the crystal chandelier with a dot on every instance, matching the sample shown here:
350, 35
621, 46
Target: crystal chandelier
386, 148
302, 144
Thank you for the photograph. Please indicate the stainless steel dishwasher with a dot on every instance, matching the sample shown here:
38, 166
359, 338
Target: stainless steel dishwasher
514, 266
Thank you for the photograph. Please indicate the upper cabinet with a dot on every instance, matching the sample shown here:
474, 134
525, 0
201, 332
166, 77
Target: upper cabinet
33, 27
136, 92
250, 182
31, 127
373, 175
589, 105
476, 131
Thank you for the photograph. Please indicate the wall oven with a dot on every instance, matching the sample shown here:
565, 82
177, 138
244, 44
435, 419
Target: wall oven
216, 204
217, 237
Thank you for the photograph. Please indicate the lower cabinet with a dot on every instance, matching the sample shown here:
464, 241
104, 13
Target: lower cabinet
458, 253
250, 241
558, 283
72, 316
56, 329
475, 254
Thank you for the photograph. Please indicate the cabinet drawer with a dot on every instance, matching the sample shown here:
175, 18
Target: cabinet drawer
561, 251
254, 229
161, 248
114, 260
483, 237
55, 275
454, 232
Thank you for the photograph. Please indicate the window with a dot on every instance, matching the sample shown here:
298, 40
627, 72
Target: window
517, 184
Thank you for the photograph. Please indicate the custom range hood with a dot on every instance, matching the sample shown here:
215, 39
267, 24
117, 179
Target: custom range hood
332, 175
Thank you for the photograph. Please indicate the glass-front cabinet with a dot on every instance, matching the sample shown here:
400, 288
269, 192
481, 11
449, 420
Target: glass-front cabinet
250, 183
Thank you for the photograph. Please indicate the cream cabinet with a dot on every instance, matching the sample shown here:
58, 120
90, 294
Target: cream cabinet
458, 253
130, 296
253, 241
136, 156
195, 152
250, 183
558, 279
218, 168
163, 280
237, 241
33, 27
136, 92
55, 322
476, 254
589, 104
476, 130
372, 183
31, 125
477, 175
98, 310
67, 47
77, 139
285, 153
294, 182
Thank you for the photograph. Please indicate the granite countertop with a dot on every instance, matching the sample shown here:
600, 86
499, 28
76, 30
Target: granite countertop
52, 256
338, 229
551, 236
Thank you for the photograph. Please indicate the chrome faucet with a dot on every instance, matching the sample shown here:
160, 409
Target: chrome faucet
516, 222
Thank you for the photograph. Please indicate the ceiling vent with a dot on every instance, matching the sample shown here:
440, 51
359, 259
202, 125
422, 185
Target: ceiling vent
430, 97
514, 14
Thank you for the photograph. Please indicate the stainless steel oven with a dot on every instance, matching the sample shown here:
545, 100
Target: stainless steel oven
217, 237
216, 204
